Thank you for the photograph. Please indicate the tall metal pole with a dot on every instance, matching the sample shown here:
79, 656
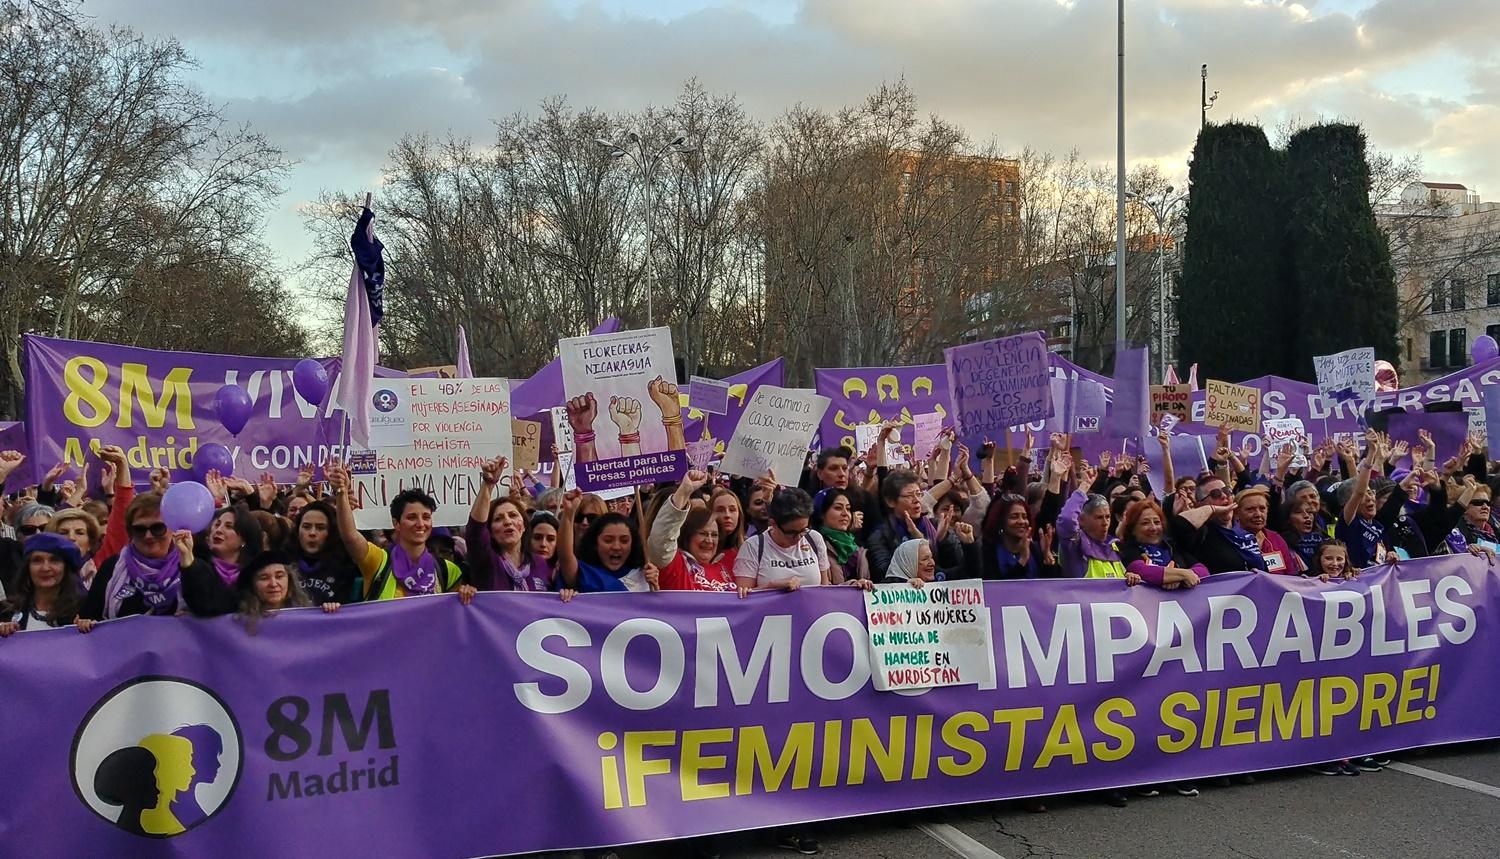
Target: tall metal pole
647, 166
1161, 302
1120, 186
1203, 98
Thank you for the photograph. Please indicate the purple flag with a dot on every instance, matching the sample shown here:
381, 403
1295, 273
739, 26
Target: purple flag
544, 389
360, 337
464, 370
1131, 414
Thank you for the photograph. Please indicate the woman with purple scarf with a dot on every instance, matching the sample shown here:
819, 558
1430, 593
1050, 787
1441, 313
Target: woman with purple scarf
234, 537
500, 556
146, 577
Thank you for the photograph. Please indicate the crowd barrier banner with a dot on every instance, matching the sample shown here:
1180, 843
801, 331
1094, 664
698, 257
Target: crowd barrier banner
423, 728
158, 407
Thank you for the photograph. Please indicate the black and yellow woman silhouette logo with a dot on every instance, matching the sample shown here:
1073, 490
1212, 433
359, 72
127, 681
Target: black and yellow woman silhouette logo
157, 756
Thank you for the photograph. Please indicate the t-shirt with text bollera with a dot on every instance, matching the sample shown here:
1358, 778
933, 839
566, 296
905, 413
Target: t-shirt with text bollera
761, 559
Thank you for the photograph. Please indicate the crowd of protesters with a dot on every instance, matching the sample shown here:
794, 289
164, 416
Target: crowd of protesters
76, 555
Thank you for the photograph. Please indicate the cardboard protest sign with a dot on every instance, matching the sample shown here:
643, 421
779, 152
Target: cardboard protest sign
935, 635
526, 440
1281, 433
1174, 400
708, 395
998, 384
623, 407
1236, 407
774, 434
1348, 376
456, 425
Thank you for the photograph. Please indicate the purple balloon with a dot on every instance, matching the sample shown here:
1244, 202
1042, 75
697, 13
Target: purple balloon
212, 457
234, 408
310, 380
187, 507
1484, 349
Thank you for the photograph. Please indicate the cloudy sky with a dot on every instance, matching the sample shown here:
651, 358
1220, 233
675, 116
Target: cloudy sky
336, 82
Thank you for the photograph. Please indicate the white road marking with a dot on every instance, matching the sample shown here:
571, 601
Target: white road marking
952, 838
1444, 778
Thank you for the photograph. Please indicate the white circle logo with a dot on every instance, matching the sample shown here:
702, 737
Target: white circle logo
157, 756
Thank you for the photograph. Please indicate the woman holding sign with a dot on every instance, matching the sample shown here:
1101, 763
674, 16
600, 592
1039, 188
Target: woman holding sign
685, 542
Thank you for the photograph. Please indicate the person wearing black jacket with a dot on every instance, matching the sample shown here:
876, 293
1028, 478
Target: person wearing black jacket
146, 577
233, 539
1209, 533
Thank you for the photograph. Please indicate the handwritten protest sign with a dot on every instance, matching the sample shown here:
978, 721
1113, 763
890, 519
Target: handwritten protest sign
456, 426
700, 452
865, 436
775, 433
526, 440
1281, 433
1174, 400
935, 635
562, 432
624, 409
1347, 376
926, 429
708, 395
1234, 406
998, 384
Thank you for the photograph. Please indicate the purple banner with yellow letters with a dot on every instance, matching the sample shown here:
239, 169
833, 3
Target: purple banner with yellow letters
158, 407
423, 728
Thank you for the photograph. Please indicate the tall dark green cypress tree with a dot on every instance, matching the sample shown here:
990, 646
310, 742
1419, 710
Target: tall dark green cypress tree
1232, 310
1340, 263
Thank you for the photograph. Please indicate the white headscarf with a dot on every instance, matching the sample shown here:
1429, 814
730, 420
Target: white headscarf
904, 560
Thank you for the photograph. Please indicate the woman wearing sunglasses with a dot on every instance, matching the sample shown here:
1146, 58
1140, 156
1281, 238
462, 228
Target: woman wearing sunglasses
1474, 532
146, 577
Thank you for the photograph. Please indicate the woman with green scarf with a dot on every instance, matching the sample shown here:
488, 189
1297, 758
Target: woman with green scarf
837, 519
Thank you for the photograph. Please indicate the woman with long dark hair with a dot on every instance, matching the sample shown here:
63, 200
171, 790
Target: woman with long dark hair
234, 537
1013, 547
610, 557
500, 558
49, 591
322, 562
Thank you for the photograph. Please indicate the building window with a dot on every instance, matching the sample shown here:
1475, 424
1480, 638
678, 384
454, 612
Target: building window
1455, 294
1437, 349
1493, 331
1438, 300
1062, 330
1492, 289
1458, 347
1010, 188
995, 187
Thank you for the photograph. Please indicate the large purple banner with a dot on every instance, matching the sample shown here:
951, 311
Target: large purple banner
521, 723
158, 406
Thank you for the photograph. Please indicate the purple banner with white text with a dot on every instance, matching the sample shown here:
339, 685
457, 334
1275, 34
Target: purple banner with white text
521, 724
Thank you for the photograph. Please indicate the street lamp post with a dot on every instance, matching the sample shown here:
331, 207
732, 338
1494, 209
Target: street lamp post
1161, 209
1120, 181
646, 162
1205, 101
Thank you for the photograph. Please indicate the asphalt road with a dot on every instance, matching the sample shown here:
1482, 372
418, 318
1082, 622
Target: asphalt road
1438, 803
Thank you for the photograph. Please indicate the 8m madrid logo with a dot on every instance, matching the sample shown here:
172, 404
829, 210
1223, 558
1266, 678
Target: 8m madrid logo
157, 756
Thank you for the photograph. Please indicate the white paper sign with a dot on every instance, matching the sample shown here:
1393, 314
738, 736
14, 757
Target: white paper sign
1348, 376
775, 432
562, 431
865, 436
456, 426
1286, 432
935, 635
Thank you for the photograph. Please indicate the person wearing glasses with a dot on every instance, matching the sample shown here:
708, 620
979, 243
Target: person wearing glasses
1209, 532
788, 554
1474, 532
904, 520
588, 508
684, 542
146, 577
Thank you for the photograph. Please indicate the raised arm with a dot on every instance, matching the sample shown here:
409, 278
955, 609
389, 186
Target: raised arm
661, 543
1361, 483
567, 559
343, 487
